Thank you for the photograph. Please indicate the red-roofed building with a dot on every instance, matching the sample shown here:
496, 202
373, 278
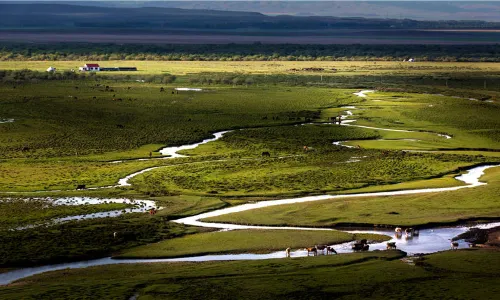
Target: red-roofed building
90, 67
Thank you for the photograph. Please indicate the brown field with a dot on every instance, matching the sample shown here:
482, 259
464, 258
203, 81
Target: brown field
375, 37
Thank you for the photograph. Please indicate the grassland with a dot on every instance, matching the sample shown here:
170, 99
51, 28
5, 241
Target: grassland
62, 137
458, 274
269, 67
241, 241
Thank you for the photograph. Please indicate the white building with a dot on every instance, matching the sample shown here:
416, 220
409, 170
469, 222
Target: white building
90, 67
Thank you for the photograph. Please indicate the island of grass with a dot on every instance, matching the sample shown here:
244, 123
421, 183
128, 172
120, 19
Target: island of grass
408, 210
244, 241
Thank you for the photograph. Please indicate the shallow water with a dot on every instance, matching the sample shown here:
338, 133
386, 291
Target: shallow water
139, 206
363, 93
189, 89
429, 241
2, 121
172, 151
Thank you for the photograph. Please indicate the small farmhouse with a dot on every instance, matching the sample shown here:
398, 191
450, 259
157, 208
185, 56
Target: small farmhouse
96, 68
90, 67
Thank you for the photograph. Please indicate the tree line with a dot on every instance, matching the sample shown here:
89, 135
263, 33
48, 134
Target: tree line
252, 52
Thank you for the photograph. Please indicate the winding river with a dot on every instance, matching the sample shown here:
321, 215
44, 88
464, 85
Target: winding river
429, 240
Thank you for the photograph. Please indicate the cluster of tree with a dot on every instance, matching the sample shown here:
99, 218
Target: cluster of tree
26, 75
30, 75
253, 52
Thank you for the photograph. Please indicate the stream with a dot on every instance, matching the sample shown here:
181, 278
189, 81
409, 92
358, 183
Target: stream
428, 241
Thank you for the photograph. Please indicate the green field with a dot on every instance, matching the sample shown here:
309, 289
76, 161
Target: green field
457, 274
71, 130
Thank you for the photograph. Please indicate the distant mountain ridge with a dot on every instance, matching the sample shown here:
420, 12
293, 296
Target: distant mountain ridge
418, 10
66, 16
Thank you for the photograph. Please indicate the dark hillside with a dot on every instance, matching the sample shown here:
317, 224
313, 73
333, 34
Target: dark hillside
64, 16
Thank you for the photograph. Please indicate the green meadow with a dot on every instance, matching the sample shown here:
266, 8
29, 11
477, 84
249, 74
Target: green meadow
95, 130
452, 274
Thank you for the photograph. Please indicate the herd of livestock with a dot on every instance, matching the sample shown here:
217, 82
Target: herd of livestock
362, 245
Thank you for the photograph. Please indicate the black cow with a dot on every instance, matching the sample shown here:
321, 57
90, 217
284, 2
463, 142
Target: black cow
266, 154
81, 187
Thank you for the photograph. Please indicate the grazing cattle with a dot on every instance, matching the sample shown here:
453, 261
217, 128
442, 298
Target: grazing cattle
287, 252
398, 230
94, 97
120, 126
321, 248
409, 232
333, 119
330, 250
266, 154
264, 118
357, 246
129, 87
162, 89
391, 246
306, 148
173, 92
312, 250
360, 245
152, 211
454, 245
76, 87
80, 187
416, 232
107, 87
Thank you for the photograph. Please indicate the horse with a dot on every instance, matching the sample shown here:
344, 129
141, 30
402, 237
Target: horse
266, 154
391, 246
454, 245
313, 250
398, 232
330, 250
287, 252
